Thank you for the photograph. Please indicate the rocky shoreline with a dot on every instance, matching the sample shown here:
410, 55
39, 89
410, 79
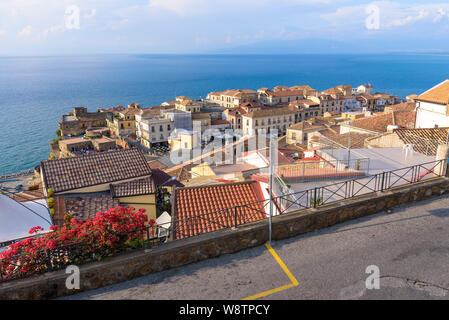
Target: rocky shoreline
17, 174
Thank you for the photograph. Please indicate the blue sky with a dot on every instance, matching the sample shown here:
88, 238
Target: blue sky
48, 27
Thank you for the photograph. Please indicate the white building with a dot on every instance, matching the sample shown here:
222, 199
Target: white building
152, 127
365, 88
351, 103
432, 107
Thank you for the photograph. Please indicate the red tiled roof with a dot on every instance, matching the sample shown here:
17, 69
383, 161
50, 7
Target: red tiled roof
380, 122
218, 122
131, 111
156, 164
352, 139
287, 93
316, 158
406, 106
29, 195
437, 94
305, 125
204, 209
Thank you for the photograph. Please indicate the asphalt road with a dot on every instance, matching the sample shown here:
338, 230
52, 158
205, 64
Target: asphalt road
410, 246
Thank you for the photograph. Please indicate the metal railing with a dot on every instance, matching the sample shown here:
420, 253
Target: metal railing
156, 235
383, 181
325, 169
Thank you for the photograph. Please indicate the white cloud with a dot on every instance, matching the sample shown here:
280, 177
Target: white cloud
53, 29
392, 14
26, 32
115, 25
90, 15
201, 7
409, 19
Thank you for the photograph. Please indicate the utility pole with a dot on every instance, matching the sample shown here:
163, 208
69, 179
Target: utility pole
349, 148
273, 149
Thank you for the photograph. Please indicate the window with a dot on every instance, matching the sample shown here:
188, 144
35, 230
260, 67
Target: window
161, 129
294, 136
152, 129
168, 127
257, 122
185, 145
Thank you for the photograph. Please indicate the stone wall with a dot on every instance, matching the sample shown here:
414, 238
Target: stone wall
185, 251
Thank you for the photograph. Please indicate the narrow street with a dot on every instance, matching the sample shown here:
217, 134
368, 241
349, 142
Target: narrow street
410, 246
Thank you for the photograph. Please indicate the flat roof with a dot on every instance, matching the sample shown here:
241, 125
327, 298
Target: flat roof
382, 159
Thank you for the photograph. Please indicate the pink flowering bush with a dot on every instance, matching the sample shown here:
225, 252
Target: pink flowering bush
76, 242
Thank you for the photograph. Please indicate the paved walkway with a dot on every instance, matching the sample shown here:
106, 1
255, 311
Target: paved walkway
410, 246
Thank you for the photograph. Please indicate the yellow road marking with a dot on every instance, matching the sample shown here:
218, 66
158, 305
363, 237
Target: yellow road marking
294, 283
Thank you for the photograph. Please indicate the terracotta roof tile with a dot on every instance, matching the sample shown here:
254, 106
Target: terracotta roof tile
156, 164
85, 207
305, 125
356, 141
89, 170
204, 209
287, 93
132, 188
161, 178
438, 94
380, 122
424, 140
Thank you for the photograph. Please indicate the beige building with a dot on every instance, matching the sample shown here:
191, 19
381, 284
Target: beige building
299, 133
79, 120
124, 122
203, 118
186, 104
233, 98
280, 95
365, 88
79, 146
268, 119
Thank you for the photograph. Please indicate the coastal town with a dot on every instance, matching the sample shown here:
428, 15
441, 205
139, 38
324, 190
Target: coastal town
124, 157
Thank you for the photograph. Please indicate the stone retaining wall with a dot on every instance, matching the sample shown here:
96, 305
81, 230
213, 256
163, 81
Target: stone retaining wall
178, 253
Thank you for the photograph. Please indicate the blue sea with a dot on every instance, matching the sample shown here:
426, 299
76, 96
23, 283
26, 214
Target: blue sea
36, 91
